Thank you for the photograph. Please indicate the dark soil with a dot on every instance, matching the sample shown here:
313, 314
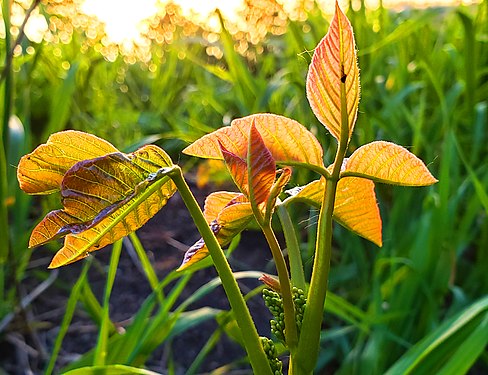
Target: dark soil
31, 335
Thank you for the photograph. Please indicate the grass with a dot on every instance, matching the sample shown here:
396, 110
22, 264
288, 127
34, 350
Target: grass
406, 307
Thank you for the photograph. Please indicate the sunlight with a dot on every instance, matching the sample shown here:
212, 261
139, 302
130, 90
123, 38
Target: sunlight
125, 23
122, 18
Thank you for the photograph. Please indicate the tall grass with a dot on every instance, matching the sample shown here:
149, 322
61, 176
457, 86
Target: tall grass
424, 83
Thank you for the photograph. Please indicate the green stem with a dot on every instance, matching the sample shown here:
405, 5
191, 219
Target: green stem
291, 334
101, 350
250, 337
308, 346
294, 254
7, 100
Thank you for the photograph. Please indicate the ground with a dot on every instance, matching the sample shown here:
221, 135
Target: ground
165, 238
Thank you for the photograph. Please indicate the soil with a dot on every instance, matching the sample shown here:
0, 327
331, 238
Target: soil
30, 337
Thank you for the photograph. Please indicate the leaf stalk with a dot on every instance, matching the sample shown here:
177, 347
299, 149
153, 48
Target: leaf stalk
250, 337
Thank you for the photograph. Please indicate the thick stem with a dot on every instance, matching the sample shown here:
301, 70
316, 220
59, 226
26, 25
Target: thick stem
291, 334
250, 337
308, 346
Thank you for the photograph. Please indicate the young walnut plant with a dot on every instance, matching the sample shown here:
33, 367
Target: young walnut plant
107, 194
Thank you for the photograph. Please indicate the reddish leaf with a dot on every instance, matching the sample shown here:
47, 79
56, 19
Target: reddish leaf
238, 170
389, 163
288, 141
334, 62
42, 171
261, 168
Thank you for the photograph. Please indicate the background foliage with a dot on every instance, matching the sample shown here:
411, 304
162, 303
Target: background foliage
424, 78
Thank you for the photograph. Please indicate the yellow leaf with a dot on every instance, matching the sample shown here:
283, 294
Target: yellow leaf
105, 199
42, 171
217, 201
283, 178
389, 163
288, 141
232, 219
355, 205
334, 62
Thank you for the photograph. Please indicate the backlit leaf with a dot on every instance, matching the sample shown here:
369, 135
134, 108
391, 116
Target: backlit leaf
355, 205
232, 219
42, 171
105, 199
283, 178
261, 168
389, 163
238, 170
217, 201
333, 61
287, 140
356, 208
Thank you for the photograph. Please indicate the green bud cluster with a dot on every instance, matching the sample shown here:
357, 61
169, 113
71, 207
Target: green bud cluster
274, 302
300, 302
270, 350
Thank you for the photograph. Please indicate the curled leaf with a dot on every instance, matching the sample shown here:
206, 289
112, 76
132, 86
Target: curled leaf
389, 163
288, 141
42, 171
232, 219
334, 63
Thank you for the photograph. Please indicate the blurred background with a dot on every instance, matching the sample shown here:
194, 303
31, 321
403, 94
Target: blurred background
164, 72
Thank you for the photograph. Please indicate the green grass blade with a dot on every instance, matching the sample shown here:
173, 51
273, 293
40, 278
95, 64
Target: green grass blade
68, 316
145, 263
110, 370
445, 343
101, 348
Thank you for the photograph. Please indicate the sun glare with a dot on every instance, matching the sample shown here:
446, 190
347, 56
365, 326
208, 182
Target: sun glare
122, 18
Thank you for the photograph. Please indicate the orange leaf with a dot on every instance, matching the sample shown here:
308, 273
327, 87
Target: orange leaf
232, 219
288, 141
283, 178
389, 163
105, 199
238, 170
356, 208
261, 168
334, 62
355, 205
42, 171
217, 201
